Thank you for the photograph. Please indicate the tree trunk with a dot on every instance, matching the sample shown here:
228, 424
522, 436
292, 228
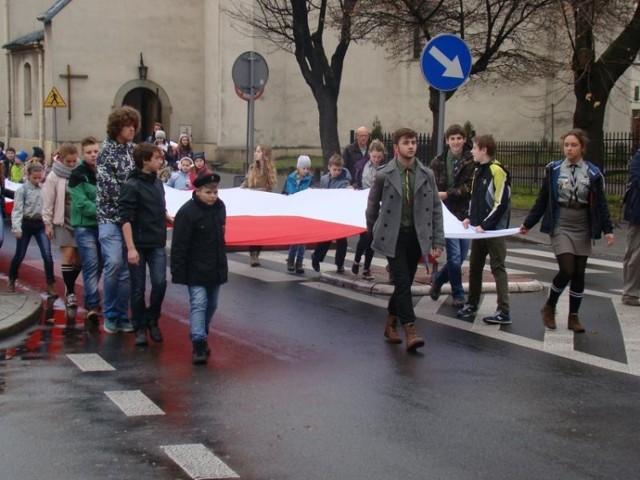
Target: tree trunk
591, 101
328, 123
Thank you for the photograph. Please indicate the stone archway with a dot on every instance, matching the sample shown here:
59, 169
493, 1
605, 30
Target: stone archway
151, 100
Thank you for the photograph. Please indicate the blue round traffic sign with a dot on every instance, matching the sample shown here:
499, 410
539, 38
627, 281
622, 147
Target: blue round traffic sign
446, 62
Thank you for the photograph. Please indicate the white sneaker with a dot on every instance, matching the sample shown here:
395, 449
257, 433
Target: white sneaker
71, 301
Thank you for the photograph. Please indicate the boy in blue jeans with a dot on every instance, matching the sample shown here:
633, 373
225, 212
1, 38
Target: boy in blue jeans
338, 177
144, 217
296, 182
198, 257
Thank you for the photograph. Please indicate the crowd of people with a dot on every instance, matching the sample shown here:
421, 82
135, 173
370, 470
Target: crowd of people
106, 212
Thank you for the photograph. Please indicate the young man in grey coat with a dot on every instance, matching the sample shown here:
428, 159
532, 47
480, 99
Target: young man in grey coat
404, 218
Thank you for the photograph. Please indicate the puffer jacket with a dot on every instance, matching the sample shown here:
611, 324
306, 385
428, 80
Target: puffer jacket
198, 254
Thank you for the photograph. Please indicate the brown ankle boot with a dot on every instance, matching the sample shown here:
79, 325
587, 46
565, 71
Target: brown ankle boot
414, 341
574, 323
548, 316
390, 330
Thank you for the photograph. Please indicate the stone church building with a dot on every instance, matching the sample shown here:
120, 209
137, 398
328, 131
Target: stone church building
91, 52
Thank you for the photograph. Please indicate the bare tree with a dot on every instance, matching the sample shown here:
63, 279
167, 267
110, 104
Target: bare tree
590, 23
298, 26
503, 35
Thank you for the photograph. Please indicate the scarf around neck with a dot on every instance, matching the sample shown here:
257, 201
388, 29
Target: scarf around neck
61, 170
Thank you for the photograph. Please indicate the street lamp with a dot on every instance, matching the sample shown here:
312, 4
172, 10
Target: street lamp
142, 69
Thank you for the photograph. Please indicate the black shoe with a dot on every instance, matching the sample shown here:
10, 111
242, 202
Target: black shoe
340, 269
467, 311
434, 293
355, 268
315, 264
141, 338
155, 333
290, 265
498, 318
199, 353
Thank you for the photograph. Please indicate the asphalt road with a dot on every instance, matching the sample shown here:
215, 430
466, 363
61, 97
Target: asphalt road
301, 385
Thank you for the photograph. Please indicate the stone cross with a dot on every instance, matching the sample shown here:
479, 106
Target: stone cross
69, 76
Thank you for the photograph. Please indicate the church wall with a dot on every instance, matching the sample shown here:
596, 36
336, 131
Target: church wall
169, 35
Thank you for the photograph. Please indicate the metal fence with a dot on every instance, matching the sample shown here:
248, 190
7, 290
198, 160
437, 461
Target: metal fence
526, 160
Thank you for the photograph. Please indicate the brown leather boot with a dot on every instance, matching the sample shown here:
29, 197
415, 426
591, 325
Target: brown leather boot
414, 341
390, 330
548, 316
574, 323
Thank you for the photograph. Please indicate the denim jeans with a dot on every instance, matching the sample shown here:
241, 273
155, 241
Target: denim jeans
297, 251
203, 302
141, 315
32, 228
457, 249
403, 266
91, 261
115, 275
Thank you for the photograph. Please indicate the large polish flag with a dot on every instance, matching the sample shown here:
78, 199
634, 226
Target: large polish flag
310, 216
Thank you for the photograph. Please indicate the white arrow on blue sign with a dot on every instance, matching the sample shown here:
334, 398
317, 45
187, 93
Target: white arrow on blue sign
446, 62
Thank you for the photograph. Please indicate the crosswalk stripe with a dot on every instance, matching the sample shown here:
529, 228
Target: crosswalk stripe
551, 256
90, 362
198, 461
133, 403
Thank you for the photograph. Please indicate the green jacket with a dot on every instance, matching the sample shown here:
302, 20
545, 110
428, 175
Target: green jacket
82, 187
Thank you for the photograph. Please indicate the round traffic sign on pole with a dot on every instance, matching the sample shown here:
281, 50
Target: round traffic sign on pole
250, 72
446, 62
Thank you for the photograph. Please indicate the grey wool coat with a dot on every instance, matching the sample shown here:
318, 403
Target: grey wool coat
384, 208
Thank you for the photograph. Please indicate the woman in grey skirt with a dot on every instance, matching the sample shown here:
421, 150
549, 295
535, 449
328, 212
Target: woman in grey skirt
574, 211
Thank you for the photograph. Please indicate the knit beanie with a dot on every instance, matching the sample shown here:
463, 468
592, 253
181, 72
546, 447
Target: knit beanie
304, 161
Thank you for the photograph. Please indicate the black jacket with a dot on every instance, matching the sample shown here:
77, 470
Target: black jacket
352, 155
459, 194
198, 254
141, 203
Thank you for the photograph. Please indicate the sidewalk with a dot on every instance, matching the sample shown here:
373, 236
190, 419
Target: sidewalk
18, 311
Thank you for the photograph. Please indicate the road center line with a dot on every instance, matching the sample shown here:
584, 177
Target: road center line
198, 461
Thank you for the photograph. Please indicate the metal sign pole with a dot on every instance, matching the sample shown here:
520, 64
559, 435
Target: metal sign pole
252, 91
441, 106
55, 128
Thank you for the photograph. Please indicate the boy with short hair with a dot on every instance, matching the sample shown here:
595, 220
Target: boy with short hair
298, 180
82, 187
144, 217
198, 257
489, 209
337, 177
453, 170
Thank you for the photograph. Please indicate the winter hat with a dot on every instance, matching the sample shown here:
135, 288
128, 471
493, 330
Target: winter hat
161, 135
38, 152
206, 178
21, 155
197, 155
304, 161
183, 135
187, 159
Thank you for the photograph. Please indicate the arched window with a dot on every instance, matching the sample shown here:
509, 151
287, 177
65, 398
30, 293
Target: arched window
27, 89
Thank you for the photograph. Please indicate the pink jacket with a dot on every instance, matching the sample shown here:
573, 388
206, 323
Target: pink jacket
53, 199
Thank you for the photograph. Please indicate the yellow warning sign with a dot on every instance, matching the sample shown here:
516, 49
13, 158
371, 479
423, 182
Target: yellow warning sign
54, 99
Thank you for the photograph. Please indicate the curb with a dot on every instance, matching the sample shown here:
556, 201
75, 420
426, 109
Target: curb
385, 288
26, 310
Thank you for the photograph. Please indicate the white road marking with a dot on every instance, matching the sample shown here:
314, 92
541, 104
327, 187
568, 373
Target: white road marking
90, 362
198, 461
551, 256
133, 403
